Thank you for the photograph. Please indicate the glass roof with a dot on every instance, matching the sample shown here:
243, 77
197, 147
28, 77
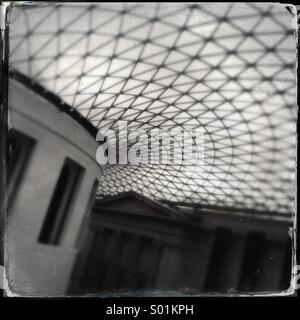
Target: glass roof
229, 68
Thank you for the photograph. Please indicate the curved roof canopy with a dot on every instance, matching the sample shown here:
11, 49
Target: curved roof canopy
228, 68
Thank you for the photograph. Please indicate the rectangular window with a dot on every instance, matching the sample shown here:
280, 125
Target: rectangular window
60, 204
20, 148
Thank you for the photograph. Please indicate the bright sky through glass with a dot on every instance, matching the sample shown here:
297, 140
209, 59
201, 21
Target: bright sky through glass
229, 68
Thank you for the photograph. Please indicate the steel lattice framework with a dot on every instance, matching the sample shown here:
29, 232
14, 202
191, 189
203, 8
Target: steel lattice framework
229, 68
